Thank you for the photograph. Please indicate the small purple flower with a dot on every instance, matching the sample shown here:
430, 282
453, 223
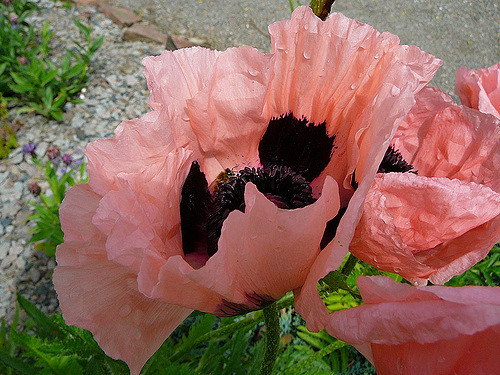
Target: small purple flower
29, 149
78, 162
62, 170
6, 2
67, 159
56, 162
23, 60
53, 152
13, 19
34, 188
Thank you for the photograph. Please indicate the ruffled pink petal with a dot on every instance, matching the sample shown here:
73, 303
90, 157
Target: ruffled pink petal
142, 219
101, 296
428, 102
461, 143
346, 73
426, 330
138, 145
418, 226
454, 257
175, 77
263, 253
480, 89
226, 114
442, 139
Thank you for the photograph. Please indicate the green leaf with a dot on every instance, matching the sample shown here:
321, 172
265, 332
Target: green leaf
43, 322
16, 364
49, 76
96, 45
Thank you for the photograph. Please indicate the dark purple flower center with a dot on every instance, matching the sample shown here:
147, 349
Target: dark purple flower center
393, 161
292, 152
304, 147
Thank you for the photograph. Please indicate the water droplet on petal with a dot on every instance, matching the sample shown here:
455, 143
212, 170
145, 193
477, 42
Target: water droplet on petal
353, 86
170, 203
184, 116
137, 334
307, 55
125, 310
376, 56
375, 259
395, 91
306, 27
280, 228
253, 236
253, 72
397, 269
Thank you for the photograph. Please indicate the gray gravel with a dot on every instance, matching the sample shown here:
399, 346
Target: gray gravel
460, 32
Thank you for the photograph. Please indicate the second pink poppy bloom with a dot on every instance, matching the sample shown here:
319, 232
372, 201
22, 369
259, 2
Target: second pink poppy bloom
440, 220
171, 220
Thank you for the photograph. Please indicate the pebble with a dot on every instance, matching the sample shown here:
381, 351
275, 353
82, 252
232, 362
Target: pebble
115, 92
34, 274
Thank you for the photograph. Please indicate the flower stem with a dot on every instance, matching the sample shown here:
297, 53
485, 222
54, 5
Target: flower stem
272, 321
349, 265
297, 369
251, 320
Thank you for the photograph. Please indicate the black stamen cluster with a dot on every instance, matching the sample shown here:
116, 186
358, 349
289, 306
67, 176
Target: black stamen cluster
281, 185
393, 161
296, 143
196, 204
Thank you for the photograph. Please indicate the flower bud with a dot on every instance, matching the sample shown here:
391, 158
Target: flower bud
67, 159
29, 149
53, 152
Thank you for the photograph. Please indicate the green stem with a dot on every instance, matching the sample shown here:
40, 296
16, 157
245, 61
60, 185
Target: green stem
349, 265
251, 320
318, 355
272, 321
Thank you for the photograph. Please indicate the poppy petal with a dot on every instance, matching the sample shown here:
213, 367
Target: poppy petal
101, 296
480, 89
138, 144
226, 114
425, 330
442, 139
412, 225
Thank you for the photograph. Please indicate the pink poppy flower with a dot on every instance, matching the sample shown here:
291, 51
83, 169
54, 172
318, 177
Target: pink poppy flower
441, 220
218, 199
429, 330
480, 89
